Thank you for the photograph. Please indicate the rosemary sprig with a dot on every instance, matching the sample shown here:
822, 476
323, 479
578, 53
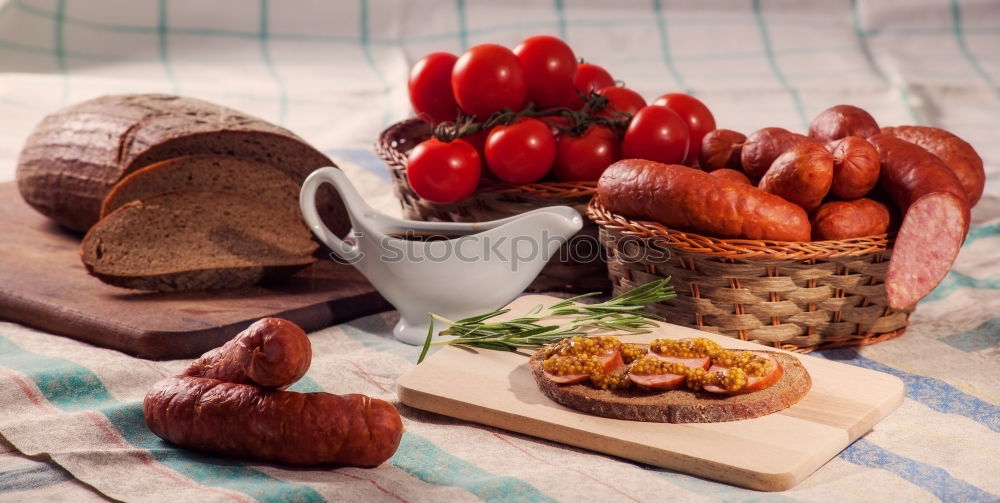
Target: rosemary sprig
535, 329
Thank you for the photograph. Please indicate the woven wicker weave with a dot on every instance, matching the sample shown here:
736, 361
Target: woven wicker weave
579, 271
797, 296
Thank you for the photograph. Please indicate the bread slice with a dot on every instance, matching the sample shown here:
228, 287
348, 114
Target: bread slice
74, 157
679, 406
206, 173
196, 240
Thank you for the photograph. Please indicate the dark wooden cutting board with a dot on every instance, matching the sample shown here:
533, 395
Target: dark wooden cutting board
43, 284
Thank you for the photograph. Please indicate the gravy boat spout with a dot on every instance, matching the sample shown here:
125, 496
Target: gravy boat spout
452, 269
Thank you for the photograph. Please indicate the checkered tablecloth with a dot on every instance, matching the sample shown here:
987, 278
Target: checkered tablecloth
335, 71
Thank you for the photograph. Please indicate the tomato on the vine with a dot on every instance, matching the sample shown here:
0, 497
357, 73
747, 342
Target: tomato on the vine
443, 172
658, 134
488, 78
588, 78
521, 152
621, 100
557, 123
584, 157
429, 87
549, 67
477, 140
698, 117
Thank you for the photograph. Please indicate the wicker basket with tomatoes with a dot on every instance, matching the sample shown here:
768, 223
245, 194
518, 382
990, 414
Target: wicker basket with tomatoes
501, 132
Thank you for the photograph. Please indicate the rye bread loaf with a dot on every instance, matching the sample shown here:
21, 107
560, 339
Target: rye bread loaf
196, 240
76, 155
207, 172
679, 406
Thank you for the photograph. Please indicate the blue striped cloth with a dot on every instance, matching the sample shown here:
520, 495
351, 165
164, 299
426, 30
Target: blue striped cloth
335, 72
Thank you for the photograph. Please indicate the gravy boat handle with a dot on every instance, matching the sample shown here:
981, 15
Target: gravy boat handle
398, 225
307, 203
373, 221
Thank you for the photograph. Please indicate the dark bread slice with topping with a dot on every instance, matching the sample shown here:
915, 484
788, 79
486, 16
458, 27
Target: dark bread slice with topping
74, 157
206, 172
682, 405
196, 240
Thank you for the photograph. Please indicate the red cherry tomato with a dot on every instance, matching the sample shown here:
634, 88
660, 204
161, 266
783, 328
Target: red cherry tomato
549, 68
584, 157
430, 87
557, 123
588, 78
698, 117
443, 172
621, 100
521, 152
487, 78
658, 134
478, 141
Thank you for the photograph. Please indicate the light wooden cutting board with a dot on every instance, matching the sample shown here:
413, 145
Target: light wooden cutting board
770, 453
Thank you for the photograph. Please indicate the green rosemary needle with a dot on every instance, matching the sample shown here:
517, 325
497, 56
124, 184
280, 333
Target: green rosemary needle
535, 329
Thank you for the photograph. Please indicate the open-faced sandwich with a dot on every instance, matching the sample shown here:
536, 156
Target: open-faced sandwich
673, 381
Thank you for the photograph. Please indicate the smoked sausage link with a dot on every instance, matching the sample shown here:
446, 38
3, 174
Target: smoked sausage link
849, 219
802, 175
271, 352
693, 200
731, 175
855, 167
839, 121
720, 149
246, 421
955, 152
935, 218
763, 146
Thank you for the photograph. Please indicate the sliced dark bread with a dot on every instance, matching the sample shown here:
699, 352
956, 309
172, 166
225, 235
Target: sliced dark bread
679, 406
196, 240
77, 154
206, 173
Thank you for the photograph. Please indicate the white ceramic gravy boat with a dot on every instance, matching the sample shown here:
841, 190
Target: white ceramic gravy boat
482, 267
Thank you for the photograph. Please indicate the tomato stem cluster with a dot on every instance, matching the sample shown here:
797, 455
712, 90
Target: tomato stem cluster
578, 120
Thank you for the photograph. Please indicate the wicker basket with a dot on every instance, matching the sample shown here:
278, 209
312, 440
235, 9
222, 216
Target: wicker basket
583, 270
796, 296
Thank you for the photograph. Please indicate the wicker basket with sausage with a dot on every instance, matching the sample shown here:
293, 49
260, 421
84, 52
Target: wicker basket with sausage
811, 242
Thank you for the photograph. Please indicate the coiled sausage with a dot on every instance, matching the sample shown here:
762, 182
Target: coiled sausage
935, 218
